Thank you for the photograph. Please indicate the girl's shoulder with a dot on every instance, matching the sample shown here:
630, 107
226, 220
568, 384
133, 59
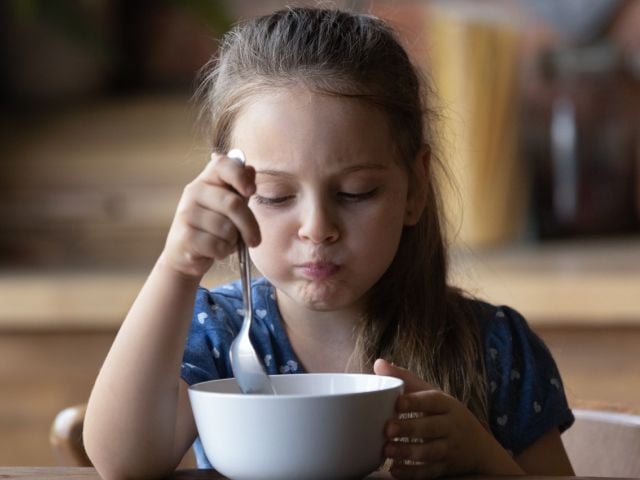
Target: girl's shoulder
524, 388
506, 336
499, 321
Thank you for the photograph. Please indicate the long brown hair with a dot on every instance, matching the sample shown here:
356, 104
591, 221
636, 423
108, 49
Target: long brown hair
413, 318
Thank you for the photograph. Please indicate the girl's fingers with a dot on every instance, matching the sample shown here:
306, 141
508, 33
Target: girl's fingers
412, 383
426, 402
431, 452
205, 245
211, 215
228, 204
235, 208
427, 427
410, 471
230, 171
213, 223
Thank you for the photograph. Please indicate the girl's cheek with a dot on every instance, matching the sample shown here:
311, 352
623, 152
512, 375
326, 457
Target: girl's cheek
270, 218
273, 231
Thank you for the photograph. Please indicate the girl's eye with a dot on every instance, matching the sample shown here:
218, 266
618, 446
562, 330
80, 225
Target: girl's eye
273, 201
357, 197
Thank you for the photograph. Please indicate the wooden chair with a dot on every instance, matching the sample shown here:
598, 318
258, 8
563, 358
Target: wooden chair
65, 438
604, 441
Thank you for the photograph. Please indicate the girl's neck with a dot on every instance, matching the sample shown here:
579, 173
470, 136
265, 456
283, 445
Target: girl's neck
322, 341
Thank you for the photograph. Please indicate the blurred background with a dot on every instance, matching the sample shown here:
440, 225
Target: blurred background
538, 104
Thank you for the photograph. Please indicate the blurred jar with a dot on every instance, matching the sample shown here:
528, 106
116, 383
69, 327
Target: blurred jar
583, 145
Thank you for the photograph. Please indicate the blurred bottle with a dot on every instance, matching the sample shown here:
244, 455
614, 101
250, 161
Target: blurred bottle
584, 152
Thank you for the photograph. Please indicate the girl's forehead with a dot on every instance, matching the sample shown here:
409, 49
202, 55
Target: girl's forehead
298, 125
299, 102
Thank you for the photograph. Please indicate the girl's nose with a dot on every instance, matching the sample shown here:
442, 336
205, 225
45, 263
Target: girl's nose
318, 225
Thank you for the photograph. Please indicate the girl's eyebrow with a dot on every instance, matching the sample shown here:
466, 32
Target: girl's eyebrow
364, 166
349, 169
274, 173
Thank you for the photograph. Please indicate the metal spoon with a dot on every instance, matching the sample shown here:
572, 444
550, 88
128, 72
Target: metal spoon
245, 364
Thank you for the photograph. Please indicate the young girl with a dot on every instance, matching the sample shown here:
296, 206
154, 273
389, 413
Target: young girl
338, 203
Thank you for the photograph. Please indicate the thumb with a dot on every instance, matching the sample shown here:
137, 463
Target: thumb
412, 383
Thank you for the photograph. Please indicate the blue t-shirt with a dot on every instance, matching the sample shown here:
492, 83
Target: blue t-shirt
525, 394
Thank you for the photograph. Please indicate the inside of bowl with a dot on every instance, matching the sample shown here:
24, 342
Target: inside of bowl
312, 384
330, 384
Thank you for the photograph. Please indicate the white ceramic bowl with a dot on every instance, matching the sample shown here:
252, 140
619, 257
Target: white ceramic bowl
318, 426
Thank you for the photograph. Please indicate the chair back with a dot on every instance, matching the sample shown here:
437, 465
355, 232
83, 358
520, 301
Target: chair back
604, 441
65, 437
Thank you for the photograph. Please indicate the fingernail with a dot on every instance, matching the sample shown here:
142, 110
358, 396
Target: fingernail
236, 154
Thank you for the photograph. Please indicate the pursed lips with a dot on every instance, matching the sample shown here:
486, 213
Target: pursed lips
319, 270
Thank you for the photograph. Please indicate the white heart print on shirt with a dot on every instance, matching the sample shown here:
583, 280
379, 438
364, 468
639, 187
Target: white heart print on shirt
291, 366
267, 359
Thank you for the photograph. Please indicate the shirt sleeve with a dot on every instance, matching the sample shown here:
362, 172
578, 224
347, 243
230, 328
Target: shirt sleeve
210, 335
525, 391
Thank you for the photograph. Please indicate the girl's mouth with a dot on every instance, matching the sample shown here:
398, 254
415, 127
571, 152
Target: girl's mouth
319, 270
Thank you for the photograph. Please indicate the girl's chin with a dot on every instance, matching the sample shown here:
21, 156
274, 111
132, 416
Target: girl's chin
324, 296
318, 295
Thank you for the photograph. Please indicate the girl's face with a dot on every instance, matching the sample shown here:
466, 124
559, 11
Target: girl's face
331, 195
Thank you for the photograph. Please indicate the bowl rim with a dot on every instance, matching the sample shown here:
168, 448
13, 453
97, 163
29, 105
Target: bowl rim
394, 383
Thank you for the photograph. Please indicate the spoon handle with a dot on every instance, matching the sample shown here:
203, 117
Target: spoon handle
245, 277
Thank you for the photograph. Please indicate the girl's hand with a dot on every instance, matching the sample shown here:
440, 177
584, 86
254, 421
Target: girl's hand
211, 215
435, 434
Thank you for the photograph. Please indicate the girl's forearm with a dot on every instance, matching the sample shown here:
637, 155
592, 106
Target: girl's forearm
130, 425
495, 460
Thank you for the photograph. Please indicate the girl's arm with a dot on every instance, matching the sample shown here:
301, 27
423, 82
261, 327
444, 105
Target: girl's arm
138, 421
546, 455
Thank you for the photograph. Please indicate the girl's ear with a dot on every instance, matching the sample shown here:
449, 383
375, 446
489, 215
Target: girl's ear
418, 182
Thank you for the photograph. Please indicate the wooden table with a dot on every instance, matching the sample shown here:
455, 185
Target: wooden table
86, 473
